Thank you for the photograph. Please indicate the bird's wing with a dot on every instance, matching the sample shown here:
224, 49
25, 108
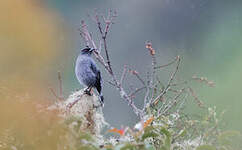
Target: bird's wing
94, 67
96, 71
99, 82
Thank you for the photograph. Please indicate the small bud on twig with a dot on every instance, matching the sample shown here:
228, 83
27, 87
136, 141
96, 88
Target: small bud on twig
149, 47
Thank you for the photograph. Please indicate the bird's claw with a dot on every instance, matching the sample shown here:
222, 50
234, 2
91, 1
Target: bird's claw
102, 104
88, 92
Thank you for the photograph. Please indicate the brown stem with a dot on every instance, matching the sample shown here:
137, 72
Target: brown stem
60, 84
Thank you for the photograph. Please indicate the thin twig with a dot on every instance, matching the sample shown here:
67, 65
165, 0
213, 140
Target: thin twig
111, 83
181, 83
147, 92
70, 105
194, 95
98, 23
123, 74
107, 65
162, 99
155, 87
174, 101
83, 36
100, 46
60, 85
60, 96
88, 38
157, 78
136, 91
172, 62
136, 74
182, 105
153, 72
204, 80
174, 90
54, 93
104, 35
170, 81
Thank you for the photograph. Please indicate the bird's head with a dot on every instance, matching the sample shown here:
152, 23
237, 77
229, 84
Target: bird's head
87, 51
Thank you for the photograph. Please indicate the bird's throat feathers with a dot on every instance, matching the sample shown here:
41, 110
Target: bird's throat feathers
86, 53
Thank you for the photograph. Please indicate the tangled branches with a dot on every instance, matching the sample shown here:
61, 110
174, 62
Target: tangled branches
155, 96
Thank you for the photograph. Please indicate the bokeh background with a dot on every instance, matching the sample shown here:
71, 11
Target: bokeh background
40, 37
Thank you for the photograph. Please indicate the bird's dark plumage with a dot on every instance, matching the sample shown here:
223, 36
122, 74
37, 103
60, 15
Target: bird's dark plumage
87, 72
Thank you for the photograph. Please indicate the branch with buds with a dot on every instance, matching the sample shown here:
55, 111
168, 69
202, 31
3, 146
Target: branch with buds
154, 94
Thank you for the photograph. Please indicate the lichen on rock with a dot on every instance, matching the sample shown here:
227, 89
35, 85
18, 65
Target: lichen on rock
83, 107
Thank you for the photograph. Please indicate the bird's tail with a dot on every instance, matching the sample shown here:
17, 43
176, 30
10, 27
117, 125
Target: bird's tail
101, 98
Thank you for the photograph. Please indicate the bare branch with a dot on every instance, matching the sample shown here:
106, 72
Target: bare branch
54, 93
60, 85
203, 80
107, 65
70, 105
153, 92
136, 91
145, 98
172, 62
169, 82
162, 99
123, 94
174, 90
153, 72
182, 104
147, 92
181, 83
100, 46
83, 36
104, 33
87, 37
136, 74
60, 96
157, 78
173, 102
194, 95
123, 74
98, 23
111, 83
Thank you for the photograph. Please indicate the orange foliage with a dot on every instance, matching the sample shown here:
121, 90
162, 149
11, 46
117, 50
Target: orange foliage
119, 131
149, 47
148, 122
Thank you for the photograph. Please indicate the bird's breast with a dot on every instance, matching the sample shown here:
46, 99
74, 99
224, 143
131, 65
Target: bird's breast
84, 73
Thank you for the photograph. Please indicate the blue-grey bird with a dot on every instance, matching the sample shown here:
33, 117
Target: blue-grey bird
88, 74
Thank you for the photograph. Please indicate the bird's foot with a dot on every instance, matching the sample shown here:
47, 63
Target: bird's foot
101, 100
88, 92
101, 104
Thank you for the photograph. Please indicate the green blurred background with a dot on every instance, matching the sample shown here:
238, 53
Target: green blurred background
40, 37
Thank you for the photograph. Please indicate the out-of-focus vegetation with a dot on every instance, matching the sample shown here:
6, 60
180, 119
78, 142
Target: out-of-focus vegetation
28, 38
30, 42
28, 125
